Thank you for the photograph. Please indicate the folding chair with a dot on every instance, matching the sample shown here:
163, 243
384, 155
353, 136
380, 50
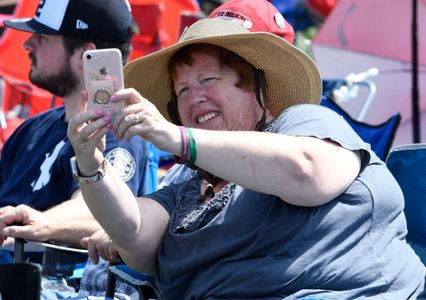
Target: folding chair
144, 283
172, 15
160, 23
148, 15
380, 136
408, 165
66, 264
20, 281
59, 262
23, 280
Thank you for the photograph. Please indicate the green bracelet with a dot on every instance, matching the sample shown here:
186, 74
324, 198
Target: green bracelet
192, 146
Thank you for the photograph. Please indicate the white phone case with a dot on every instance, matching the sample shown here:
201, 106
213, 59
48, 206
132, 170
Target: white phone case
103, 76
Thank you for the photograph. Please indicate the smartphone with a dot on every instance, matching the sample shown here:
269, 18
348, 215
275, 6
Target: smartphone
103, 76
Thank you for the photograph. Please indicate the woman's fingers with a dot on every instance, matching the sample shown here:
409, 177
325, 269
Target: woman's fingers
79, 121
84, 96
88, 130
140, 118
84, 127
113, 253
85, 242
128, 96
93, 253
131, 118
100, 245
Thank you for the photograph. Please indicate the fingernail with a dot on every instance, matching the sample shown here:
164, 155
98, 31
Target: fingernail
98, 112
113, 98
106, 118
109, 126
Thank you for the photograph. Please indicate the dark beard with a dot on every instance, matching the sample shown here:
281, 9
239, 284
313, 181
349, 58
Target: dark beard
61, 84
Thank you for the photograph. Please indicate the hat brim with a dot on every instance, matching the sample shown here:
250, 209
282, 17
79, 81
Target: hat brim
292, 77
29, 25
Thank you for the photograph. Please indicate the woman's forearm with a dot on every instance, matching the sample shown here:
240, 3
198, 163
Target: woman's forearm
135, 225
300, 170
113, 205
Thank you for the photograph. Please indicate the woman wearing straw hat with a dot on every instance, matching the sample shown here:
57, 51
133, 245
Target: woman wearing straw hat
286, 200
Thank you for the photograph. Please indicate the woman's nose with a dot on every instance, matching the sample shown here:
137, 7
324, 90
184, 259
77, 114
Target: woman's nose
198, 94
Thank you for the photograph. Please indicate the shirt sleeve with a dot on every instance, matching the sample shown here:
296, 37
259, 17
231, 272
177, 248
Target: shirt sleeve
166, 196
323, 123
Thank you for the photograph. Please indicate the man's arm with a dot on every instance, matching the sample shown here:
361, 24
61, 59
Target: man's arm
67, 222
74, 208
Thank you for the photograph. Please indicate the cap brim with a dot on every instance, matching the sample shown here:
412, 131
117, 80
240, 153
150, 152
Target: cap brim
29, 25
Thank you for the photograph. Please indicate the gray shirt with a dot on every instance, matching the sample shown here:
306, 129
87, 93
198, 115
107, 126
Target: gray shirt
260, 247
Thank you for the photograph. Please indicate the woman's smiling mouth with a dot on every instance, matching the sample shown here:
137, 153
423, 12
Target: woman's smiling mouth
207, 117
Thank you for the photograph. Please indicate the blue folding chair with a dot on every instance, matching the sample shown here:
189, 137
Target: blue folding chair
408, 165
144, 283
380, 136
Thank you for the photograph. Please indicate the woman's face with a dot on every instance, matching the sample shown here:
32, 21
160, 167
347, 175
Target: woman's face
208, 98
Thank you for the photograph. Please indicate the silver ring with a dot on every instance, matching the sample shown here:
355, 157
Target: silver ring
135, 119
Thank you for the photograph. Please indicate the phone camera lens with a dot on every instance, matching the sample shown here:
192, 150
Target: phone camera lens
89, 56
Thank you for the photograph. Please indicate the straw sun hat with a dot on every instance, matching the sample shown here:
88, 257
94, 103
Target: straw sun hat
292, 77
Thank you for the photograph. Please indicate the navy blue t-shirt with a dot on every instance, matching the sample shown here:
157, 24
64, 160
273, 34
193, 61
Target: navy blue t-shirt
35, 168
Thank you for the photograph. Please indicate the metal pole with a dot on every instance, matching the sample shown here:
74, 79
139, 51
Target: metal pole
415, 105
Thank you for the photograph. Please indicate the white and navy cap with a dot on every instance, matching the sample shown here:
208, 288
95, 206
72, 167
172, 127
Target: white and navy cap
103, 20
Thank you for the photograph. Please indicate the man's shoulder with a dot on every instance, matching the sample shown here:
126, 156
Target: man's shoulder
42, 119
54, 112
33, 125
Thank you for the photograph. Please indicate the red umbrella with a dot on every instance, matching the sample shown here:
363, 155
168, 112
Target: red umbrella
359, 35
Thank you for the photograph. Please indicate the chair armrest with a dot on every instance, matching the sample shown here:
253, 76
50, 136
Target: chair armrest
58, 260
143, 281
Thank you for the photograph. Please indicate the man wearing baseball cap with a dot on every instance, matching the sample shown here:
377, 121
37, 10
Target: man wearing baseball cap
37, 188
108, 21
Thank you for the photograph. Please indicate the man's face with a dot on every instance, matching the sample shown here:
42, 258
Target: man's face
51, 67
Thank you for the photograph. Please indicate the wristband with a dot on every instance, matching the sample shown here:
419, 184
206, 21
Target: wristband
184, 152
192, 146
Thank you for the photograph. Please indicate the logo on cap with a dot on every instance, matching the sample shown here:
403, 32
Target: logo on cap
39, 8
79, 24
235, 16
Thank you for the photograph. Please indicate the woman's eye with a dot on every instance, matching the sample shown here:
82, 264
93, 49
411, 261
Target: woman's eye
181, 91
209, 79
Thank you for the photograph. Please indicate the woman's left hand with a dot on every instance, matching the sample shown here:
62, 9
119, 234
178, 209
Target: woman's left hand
86, 133
100, 245
140, 117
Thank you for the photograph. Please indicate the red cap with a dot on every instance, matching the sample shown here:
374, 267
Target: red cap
256, 15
